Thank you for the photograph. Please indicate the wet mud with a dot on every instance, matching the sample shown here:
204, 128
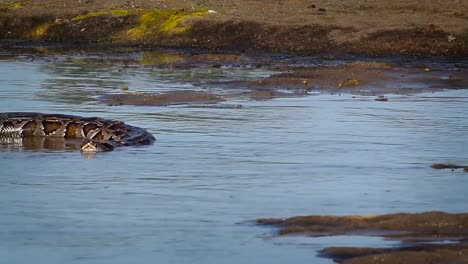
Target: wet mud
166, 99
366, 27
422, 236
421, 254
423, 224
193, 60
284, 75
440, 166
363, 78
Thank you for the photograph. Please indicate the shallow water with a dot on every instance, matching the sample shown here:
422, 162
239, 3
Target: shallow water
191, 197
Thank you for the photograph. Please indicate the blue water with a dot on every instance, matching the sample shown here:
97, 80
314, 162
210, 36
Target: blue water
193, 195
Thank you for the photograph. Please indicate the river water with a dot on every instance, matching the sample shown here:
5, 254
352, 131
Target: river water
193, 196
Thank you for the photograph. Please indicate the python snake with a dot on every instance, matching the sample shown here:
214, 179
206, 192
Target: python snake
98, 134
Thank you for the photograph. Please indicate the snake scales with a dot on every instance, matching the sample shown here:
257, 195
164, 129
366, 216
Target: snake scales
98, 134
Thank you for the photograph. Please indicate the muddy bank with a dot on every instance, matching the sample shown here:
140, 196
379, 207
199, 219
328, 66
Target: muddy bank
368, 27
191, 99
415, 231
363, 78
166, 99
403, 225
279, 75
422, 254
440, 166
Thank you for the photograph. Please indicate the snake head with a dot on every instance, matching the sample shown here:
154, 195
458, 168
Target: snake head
95, 146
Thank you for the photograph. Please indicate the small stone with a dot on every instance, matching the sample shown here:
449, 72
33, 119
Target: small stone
451, 38
381, 98
124, 88
427, 69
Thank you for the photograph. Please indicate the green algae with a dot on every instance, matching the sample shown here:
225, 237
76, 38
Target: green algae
16, 6
160, 58
156, 22
115, 12
122, 12
12, 6
151, 23
139, 25
42, 30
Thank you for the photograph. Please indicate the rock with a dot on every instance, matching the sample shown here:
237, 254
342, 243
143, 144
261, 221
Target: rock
381, 99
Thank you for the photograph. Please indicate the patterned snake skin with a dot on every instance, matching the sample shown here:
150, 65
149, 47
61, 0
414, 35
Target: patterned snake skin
98, 134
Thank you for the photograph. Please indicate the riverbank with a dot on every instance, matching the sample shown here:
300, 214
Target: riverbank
295, 26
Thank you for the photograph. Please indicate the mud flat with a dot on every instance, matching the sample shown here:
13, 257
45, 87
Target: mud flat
360, 77
280, 75
164, 99
419, 234
441, 166
422, 254
368, 27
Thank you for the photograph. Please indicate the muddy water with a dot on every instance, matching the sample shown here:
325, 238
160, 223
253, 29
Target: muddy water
191, 197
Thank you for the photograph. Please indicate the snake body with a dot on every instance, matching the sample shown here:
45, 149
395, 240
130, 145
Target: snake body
98, 134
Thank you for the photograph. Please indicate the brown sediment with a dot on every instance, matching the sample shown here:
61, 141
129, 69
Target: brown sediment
440, 166
368, 27
418, 229
170, 98
421, 254
223, 58
427, 224
262, 95
365, 78
173, 60
215, 106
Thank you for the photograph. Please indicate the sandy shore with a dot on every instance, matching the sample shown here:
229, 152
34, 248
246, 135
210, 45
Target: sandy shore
302, 26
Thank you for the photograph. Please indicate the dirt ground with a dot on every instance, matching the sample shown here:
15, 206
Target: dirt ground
304, 26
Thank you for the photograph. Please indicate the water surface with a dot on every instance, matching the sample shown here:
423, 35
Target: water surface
191, 197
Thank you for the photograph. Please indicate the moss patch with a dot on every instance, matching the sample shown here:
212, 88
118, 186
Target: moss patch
147, 24
156, 22
11, 6
160, 58
116, 12
42, 30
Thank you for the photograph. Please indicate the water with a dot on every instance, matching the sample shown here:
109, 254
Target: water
193, 195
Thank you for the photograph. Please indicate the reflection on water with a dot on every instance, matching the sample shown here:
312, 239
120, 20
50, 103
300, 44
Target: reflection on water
38, 144
191, 197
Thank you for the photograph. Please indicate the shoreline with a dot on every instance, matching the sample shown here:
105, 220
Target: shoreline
366, 28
